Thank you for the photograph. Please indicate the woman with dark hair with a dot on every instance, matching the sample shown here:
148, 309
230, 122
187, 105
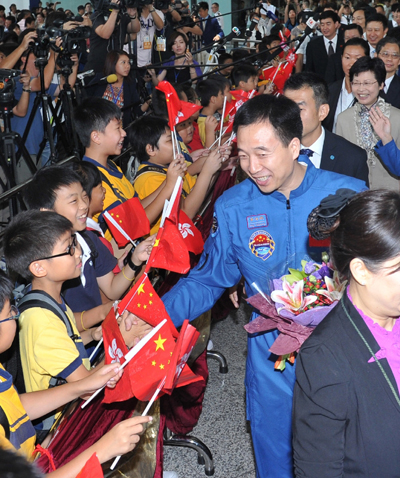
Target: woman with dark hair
290, 16
178, 43
123, 92
346, 408
367, 78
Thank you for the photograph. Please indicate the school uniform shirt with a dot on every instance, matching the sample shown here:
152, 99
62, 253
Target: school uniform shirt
201, 123
148, 182
22, 433
47, 350
117, 186
83, 297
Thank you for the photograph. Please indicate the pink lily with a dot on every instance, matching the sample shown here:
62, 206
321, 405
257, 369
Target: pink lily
291, 297
334, 287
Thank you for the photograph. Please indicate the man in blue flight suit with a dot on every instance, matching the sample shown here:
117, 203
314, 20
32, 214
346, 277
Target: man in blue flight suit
259, 230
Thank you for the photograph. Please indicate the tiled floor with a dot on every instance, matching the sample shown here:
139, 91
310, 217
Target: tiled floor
222, 425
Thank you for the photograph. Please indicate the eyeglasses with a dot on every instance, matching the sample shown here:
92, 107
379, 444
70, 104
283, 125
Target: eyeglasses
70, 250
366, 84
14, 314
387, 54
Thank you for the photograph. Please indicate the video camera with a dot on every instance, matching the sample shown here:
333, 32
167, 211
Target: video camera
105, 6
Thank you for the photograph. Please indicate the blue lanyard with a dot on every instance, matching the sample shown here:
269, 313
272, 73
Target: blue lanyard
115, 100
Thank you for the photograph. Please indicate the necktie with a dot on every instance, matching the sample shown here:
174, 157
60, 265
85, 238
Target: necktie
307, 152
331, 51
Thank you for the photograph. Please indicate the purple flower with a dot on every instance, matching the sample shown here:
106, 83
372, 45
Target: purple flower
309, 268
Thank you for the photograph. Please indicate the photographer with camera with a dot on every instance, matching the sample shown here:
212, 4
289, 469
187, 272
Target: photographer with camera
172, 18
109, 32
151, 20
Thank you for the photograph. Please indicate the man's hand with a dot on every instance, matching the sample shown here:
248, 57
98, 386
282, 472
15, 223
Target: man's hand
133, 329
27, 39
216, 38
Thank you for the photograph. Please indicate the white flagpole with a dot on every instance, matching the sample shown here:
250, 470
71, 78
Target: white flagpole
116, 225
178, 183
129, 356
222, 123
146, 411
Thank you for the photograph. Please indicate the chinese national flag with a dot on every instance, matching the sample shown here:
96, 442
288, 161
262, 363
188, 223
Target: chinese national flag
150, 365
143, 301
190, 234
169, 251
172, 100
176, 374
131, 217
115, 350
92, 469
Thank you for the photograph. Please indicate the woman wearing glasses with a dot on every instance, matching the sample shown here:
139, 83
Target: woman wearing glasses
367, 77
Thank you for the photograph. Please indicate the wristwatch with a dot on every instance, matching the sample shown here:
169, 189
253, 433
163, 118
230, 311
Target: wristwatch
151, 11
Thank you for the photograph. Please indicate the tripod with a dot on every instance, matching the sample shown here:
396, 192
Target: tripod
49, 115
8, 156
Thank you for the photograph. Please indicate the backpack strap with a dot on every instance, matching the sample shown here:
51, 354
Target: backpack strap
39, 298
5, 423
153, 169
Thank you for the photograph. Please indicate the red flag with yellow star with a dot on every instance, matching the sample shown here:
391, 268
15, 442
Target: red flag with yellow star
151, 364
143, 301
92, 468
115, 351
131, 218
169, 251
188, 336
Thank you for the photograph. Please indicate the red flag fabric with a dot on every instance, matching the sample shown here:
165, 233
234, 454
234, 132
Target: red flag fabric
190, 234
278, 75
178, 111
174, 212
92, 469
131, 217
115, 350
187, 338
172, 100
169, 251
150, 365
143, 301
291, 57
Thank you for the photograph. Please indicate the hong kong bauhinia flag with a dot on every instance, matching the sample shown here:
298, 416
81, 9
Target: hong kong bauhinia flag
115, 351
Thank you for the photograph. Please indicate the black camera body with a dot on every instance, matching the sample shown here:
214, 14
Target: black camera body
162, 4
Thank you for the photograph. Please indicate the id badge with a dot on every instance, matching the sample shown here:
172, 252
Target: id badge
146, 43
161, 44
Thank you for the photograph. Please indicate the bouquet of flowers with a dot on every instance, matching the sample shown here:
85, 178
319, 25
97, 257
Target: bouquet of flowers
297, 304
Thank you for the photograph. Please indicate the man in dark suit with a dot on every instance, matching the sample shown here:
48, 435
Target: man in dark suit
325, 149
396, 17
321, 48
340, 93
334, 71
210, 27
388, 50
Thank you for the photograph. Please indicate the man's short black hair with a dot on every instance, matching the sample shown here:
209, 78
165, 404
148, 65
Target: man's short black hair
212, 86
386, 41
80, 7
377, 17
215, 3
366, 63
309, 79
203, 5
223, 57
357, 42
354, 26
30, 236
94, 114
146, 130
280, 112
243, 73
396, 7
89, 174
14, 465
329, 14
41, 192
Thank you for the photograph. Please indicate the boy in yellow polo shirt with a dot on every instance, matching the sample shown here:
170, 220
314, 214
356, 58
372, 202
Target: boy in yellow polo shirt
99, 126
16, 411
151, 139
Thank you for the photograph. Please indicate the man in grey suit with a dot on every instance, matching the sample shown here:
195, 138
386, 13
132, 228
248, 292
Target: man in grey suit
326, 150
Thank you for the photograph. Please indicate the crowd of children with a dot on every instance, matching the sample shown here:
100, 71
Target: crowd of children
74, 271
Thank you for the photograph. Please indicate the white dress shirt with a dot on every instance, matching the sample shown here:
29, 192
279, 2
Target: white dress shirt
387, 83
334, 42
317, 148
345, 101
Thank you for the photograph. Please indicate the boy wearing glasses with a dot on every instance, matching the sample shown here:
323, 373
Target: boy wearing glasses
54, 257
59, 189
